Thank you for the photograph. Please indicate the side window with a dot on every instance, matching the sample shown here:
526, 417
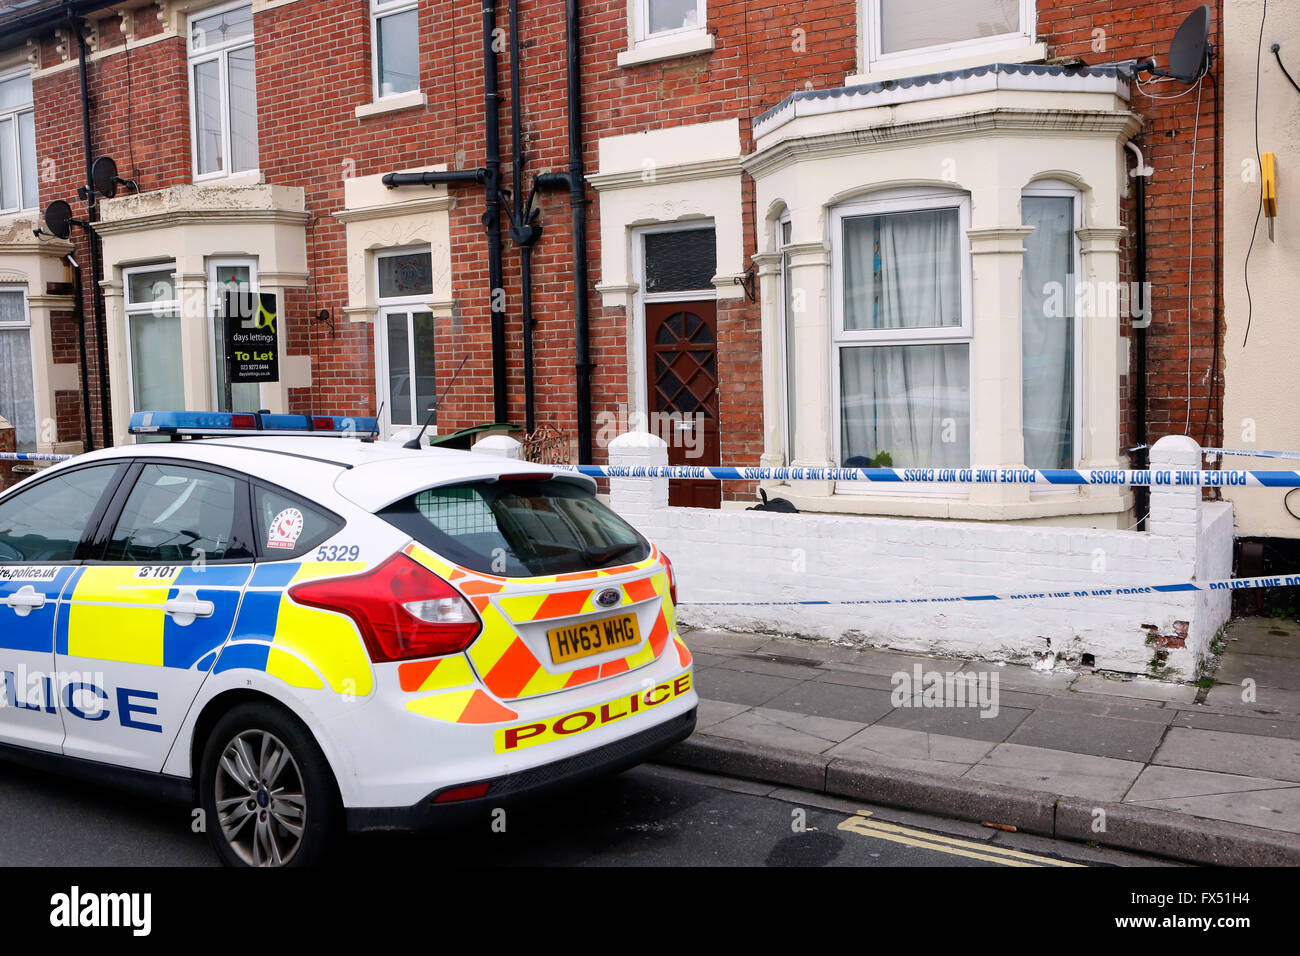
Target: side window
286, 527
176, 515
45, 523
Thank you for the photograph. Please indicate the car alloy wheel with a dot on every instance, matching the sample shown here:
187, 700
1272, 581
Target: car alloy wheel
260, 799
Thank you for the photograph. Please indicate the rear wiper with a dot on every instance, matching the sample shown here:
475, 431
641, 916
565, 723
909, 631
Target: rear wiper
602, 555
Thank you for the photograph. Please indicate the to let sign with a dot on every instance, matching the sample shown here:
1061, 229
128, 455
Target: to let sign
251, 333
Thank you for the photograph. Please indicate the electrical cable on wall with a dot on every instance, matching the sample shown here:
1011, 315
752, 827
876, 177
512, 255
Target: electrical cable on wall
1259, 164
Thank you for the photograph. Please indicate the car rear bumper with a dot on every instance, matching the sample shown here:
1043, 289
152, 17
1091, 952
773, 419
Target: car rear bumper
609, 759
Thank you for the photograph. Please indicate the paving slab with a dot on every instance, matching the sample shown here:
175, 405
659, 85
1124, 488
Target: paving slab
1274, 758
913, 749
854, 678
1137, 688
1280, 672
713, 711
842, 702
958, 721
737, 687
1260, 726
1227, 698
1096, 705
1256, 802
1164, 783
783, 728
1089, 734
722, 642
820, 651
755, 664
1057, 771
1026, 679
1264, 636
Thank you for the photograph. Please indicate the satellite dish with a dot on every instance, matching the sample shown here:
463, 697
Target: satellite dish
58, 219
103, 176
1190, 52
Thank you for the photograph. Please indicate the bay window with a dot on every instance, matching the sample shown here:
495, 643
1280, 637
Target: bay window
1050, 330
902, 332
153, 326
223, 91
17, 143
17, 383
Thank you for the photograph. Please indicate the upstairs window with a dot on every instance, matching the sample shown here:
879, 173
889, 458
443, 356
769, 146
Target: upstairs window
663, 19
395, 35
903, 32
17, 143
223, 91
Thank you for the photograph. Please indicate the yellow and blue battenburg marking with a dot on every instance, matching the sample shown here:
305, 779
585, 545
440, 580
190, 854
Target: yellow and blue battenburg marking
33, 631
304, 647
115, 613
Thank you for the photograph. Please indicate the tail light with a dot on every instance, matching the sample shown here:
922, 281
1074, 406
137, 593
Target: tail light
672, 578
402, 609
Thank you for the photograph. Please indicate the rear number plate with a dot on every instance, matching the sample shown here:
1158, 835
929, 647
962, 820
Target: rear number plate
592, 637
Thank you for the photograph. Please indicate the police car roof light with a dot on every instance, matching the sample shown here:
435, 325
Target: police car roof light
184, 424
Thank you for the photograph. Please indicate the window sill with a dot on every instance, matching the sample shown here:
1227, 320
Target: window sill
1102, 508
249, 177
392, 104
954, 59
653, 51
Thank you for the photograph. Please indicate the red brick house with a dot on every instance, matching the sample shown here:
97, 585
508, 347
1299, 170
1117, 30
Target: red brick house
815, 233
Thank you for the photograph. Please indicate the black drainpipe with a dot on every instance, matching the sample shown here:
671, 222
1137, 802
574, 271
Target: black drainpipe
97, 292
1141, 494
523, 229
492, 215
578, 203
81, 348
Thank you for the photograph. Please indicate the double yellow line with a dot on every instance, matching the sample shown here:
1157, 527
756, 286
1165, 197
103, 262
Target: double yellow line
942, 844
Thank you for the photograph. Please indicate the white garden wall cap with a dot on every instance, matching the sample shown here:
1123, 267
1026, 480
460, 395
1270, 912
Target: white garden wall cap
630, 441
1032, 77
1179, 446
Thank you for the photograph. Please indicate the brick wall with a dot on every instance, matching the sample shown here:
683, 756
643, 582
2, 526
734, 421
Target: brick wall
314, 70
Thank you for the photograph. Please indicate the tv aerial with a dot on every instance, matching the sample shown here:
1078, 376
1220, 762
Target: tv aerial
1190, 51
104, 177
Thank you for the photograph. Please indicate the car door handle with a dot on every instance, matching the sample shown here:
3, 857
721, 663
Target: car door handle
25, 600
186, 606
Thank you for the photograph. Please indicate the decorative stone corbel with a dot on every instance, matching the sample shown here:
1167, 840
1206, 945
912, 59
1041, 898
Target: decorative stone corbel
128, 24
92, 36
63, 41
33, 53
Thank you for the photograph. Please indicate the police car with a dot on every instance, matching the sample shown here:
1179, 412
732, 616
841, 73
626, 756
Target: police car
301, 629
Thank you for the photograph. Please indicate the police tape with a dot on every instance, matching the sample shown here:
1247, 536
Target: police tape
31, 456
1225, 584
956, 476
1234, 452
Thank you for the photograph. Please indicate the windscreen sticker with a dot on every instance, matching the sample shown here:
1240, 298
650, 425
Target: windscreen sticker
286, 528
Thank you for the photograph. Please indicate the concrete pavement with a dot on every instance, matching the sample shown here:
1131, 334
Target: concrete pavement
1203, 774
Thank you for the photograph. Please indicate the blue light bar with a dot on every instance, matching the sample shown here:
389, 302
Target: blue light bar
197, 424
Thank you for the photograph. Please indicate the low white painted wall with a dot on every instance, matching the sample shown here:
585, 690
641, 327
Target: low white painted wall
755, 556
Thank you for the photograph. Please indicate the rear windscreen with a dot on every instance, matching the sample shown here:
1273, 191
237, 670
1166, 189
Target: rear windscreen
518, 528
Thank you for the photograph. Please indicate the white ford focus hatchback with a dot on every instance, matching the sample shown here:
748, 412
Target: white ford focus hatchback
301, 632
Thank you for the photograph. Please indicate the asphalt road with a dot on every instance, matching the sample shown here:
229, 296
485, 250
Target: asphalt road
650, 816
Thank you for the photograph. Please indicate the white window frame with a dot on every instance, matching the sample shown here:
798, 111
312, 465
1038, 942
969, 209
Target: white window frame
14, 113
641, 24
384, 306
219, 51
641, 386
130, 309
380, 10
899, 201
875, 61
1056, 188
784, 334
25, 325
214, 308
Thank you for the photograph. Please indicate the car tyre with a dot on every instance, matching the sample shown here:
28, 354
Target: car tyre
267, 793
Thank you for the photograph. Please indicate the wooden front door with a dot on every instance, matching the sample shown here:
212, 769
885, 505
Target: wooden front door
682, 349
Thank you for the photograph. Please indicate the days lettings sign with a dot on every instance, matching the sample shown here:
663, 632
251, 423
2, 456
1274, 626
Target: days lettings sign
250, 337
